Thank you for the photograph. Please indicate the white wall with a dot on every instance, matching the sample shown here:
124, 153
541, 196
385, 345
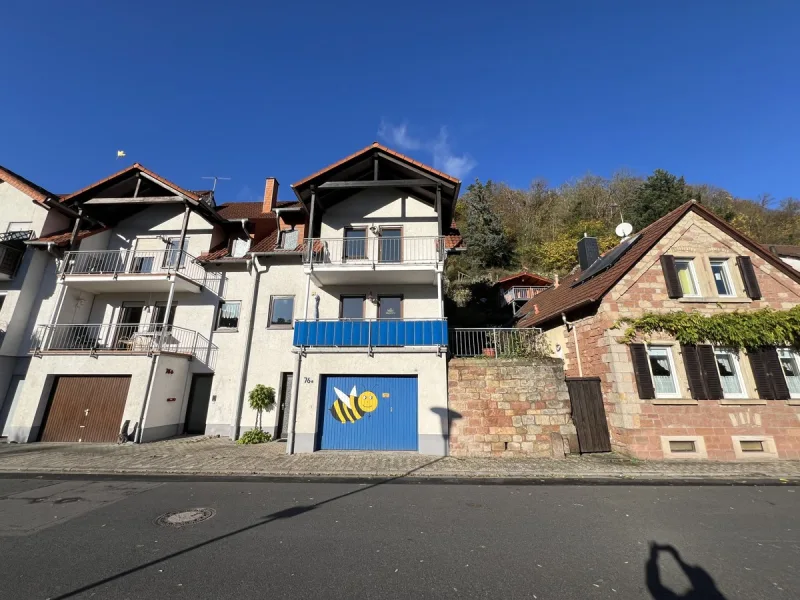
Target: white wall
16, 206
380, 207
167, 399
419, 301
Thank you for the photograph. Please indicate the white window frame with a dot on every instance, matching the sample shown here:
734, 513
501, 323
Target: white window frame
27, 226
219, 315
693, 273
796, 357
673, 370
726, 271
737, 367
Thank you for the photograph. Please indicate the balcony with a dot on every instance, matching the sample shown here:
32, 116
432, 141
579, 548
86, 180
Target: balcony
522, 293
108, 271
370, 333
12, 249
123, 339
374, 260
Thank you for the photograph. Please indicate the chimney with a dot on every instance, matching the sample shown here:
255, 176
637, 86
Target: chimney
555, 281
588, 251
270, 195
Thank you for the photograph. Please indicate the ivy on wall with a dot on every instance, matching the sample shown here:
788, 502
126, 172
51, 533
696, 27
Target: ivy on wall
738, 330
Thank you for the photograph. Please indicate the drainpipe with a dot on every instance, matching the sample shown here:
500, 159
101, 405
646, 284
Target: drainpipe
293, 404
571, 327
140, 430
439, 286
237, 411
187, 211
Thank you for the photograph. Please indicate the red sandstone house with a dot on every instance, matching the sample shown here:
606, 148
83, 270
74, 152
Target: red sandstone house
664, 400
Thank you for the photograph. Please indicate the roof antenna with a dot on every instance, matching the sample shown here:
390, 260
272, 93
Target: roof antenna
624, 229
216, 178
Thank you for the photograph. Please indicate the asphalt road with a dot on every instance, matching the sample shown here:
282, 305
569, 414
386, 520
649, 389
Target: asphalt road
99, 539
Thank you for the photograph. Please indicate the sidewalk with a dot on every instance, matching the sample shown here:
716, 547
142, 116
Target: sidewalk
217, 456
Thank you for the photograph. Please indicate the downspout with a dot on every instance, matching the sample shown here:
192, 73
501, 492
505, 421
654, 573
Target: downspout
140, 429
237, 410
293, 404
571, 327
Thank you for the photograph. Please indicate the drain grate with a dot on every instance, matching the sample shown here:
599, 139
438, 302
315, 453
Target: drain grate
185, 517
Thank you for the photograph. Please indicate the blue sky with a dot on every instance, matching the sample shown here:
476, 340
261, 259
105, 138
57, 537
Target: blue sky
504, 90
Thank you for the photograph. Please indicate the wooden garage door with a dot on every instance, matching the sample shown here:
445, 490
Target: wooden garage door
85, 409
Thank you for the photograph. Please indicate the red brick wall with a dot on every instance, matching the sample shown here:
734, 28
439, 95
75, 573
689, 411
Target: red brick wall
637, 425
509, 407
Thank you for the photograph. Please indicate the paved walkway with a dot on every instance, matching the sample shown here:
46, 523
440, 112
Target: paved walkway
216, 456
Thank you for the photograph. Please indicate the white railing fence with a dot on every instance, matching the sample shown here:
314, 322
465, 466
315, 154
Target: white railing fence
374, 250
498, 342
524, 292
130, 261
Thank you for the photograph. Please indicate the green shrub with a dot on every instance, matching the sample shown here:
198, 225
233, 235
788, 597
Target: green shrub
254, 436
261, 399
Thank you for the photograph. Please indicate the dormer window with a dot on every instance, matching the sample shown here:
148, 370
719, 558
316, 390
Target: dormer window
289, 239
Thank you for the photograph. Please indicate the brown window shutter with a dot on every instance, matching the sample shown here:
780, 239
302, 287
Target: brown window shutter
772, 363
674, 289
760, 374
641, 368
710, 373
751, 286
694, 372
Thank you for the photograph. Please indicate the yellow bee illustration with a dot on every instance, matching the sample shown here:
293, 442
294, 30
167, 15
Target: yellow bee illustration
352, 408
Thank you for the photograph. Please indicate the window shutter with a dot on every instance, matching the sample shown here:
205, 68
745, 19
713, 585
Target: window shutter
694, 372
751, 286
760, 374
674, 289
641, 368
710, 373
772, 363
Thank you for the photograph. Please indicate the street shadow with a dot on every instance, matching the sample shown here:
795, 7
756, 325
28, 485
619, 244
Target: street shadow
703, 585
287, 513
446, 416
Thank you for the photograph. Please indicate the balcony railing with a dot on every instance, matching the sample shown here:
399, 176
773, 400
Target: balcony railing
523, 292
370, 333
374, 251
127, 262
498, 342
123, 338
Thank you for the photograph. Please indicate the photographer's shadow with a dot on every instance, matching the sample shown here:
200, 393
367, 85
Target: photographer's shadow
703, 585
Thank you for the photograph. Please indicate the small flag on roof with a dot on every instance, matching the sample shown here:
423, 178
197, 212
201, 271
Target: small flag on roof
120, 153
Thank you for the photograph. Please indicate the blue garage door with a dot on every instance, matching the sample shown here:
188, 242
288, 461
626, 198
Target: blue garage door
368, 413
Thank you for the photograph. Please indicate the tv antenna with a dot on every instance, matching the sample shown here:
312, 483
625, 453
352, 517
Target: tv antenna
216, 178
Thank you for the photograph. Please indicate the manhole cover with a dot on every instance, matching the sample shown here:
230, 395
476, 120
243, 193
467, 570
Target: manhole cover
185, 517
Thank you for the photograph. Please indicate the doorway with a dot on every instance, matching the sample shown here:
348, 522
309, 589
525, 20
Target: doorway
130, 315
197, 411
282, 425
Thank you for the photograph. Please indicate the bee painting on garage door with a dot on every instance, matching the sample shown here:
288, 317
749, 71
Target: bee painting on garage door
349, 409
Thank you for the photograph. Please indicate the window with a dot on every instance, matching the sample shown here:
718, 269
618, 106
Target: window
687, 276
228, 315
662, 368
175, 256
722, 277
239, 247
352, 307
355, 244
160, 308
730, 374
682, 446
19, 226
281, 311
789, 366
390, 307
390, 248
289, 239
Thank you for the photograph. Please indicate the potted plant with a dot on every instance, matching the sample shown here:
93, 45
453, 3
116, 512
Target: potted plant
261, 399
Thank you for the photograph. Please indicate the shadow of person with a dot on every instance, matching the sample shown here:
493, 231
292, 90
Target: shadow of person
703, 586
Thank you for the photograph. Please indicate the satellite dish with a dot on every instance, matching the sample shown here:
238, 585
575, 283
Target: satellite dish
624, 230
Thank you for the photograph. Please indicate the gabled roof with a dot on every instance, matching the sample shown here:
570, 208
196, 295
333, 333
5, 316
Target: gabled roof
126, 172
549, 304
25, 186
522, 276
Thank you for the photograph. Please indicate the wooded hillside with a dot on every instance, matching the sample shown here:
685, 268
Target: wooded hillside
536, 229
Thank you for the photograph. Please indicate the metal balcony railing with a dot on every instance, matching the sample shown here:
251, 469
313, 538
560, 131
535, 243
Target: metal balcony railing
497, 342
123, 338
374, 251
130, 261
370, 333
523, 292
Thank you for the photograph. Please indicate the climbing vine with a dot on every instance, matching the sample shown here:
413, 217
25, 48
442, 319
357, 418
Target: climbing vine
747, 330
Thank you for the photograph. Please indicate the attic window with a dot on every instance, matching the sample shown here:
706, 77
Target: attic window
289, 239
240, 247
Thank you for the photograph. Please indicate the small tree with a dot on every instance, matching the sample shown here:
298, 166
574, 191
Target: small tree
261, 399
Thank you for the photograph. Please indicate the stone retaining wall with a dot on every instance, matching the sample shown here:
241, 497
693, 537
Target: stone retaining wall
509, 407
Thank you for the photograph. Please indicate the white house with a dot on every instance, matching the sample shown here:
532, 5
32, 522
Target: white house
158, 311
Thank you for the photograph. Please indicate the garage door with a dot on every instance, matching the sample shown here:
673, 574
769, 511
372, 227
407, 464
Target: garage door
368, 413
85, 409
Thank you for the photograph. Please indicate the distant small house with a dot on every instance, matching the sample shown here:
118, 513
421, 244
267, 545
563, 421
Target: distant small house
788, 254
517, 289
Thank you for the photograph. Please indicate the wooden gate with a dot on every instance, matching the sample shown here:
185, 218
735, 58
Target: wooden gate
589, 414
85, 409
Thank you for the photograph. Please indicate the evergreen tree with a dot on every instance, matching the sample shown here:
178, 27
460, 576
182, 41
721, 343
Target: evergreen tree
488, 245
661, 193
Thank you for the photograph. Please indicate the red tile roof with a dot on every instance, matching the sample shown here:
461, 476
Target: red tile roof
249, 210
525, 274
62, 238
270, 244
453, 239
378, 146
549, 304
25, 186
